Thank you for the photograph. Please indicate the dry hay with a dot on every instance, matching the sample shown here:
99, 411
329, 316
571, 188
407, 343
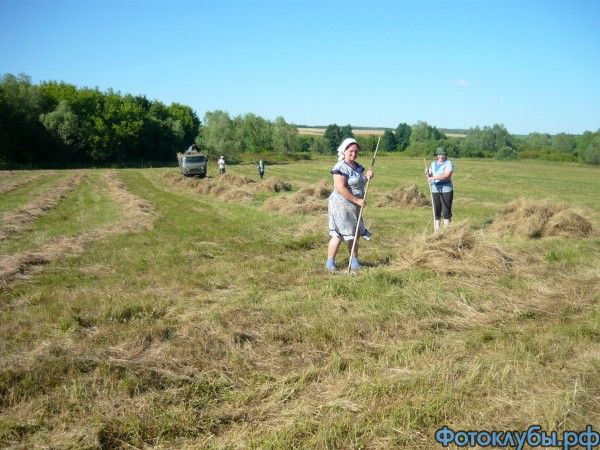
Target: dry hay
322, 190
138, 215
455, 250
308, 200
11, 186
16, 222
236, 195
407, 196
540, 219
229, 187
275, 185
235, 180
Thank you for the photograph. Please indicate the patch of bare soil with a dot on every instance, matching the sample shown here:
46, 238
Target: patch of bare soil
138, 215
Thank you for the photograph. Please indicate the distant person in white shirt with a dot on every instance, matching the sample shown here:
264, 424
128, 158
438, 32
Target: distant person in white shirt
221, 163
261, 169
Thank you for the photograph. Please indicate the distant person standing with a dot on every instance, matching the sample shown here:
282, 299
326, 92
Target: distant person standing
261, 169
439, 175
221, 163
191, 149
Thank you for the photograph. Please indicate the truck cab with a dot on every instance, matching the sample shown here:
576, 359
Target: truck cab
192, 164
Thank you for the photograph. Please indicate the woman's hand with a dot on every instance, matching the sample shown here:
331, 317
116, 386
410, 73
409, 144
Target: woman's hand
361, 202
369, 174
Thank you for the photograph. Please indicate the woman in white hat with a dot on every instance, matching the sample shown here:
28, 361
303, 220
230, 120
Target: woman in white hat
349, 179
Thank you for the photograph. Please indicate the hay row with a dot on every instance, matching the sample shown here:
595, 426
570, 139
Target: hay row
308, 200
456, 250
540, 219
13, 223
138, 215
407, 196
228, 187
17, 184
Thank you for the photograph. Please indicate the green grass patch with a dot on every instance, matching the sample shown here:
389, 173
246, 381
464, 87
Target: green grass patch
219, 328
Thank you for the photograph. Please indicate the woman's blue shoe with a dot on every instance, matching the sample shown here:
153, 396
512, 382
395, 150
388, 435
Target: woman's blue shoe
330, 265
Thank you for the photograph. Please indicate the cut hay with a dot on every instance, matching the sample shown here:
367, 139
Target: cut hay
322, 190
275, 185
540, 219
456, 250
407, 196
13, 223
228, 187
11, 186
296, 204
236, 180
308, 200
568, 223
138, 215
236, 195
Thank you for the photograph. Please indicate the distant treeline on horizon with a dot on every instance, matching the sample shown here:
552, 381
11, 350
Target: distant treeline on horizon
56, 124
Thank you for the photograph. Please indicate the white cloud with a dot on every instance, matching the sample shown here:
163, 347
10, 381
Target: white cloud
463, 83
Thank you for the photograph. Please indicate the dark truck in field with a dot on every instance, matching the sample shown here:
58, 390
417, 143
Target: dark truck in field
192, 164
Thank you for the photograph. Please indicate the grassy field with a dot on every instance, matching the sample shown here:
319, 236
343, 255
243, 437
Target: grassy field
143, 310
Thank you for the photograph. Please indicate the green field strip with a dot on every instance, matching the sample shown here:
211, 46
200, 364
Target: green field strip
86, 208
13, 200
219, 328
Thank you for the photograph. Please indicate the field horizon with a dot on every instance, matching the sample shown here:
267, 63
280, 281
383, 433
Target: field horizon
143, 309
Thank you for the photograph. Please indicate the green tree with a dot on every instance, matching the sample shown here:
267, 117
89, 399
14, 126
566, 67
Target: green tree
285, 137
218, 134
23, 138
320, 145
189, 121
346, 132
388, 141
538, 141
333, 136
255, 134
506, 152
403, 131
563, 143
487, 140
588, 147
367, 144
422, 131
63, 125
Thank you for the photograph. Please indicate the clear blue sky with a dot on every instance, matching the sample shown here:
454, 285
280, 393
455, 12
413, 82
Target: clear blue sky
530, 65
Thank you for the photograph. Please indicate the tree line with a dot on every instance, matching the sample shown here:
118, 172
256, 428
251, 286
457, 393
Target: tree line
57, 124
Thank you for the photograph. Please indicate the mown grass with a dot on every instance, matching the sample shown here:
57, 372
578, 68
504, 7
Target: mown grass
86, 209
219, 328
12, 200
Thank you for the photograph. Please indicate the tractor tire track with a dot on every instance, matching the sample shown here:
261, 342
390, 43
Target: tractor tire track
13, 223
138, 215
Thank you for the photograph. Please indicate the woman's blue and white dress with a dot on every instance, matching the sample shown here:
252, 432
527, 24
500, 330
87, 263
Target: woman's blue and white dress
343, 214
